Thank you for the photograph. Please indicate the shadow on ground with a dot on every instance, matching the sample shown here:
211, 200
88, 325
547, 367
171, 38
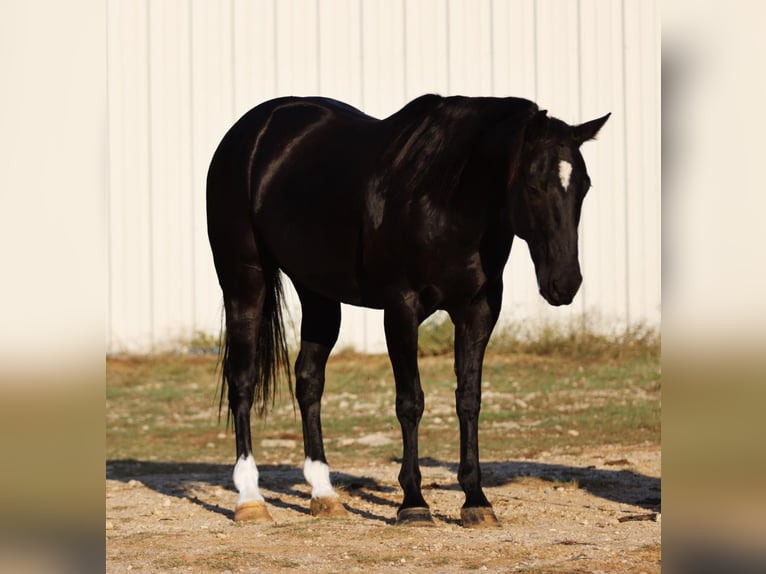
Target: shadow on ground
182, 480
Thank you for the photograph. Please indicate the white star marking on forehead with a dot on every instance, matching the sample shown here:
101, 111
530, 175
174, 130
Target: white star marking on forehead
565, 170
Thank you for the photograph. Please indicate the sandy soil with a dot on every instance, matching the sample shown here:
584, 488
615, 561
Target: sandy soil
595, 511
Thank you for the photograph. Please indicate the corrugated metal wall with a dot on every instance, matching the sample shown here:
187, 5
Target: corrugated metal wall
180, 72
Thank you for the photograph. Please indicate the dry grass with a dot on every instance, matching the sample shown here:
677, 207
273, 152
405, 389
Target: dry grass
164, 407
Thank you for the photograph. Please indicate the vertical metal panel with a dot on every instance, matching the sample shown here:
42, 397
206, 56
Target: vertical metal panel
213, 112
255, 52
384, 56
172, 200
426, 26
642, 159
557, 58
513, 48
130, 283
603, 224
181, 71
297, 28
340, 51
469, 45
52, 174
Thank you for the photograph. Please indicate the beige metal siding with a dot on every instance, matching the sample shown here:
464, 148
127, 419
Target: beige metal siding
180, 72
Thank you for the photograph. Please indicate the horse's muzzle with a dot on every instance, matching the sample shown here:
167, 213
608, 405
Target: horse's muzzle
562, 289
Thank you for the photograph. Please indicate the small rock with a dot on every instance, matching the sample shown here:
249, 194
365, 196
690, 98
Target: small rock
133, 483
573, 432
278, 443
376, 439
109, 525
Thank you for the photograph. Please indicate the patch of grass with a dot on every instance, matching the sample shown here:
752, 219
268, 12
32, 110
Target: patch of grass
580, 337
164, 407
169, 562
366, 559
436, 335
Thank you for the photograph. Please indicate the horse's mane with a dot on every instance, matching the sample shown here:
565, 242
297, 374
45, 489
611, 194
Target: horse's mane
438, 136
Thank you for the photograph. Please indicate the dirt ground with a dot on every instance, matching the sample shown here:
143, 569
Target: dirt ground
595, 511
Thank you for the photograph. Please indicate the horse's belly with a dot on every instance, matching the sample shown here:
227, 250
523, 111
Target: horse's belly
322, 259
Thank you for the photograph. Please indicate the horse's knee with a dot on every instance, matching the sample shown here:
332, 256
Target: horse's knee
409, 408
467, 404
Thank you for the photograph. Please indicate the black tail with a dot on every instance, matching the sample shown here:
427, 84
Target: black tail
272, 360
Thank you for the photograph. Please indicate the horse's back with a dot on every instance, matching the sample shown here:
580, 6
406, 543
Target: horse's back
339, 198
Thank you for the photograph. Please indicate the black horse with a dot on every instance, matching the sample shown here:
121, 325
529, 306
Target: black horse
409, 214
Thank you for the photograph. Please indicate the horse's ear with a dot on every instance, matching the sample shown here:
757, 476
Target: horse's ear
588, 130
536, 125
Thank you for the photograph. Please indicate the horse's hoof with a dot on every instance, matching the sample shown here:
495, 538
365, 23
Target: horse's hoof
414, 516
328, 506
478, 517
252, 511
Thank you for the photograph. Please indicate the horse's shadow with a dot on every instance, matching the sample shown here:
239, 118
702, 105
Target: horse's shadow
181, 479
623, 486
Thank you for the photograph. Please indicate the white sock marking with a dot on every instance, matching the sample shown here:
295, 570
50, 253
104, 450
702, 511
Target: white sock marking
565, 170
317, 474
246, 479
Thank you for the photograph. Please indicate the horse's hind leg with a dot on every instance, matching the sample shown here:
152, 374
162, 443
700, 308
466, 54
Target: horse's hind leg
244, 302
319, 330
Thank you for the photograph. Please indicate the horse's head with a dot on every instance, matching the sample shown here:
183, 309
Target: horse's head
546, 199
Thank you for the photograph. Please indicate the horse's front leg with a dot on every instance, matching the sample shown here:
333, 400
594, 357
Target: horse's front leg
401, 328
473, 326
